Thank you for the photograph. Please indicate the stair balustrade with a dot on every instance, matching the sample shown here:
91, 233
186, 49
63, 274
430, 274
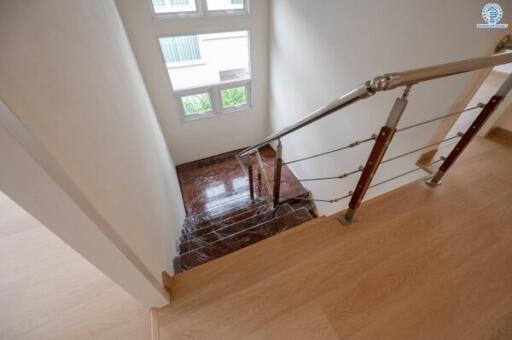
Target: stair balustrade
384, 138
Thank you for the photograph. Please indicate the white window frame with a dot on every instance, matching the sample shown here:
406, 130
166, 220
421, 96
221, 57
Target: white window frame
230, 85
226, 12
201, 11
212, 89
215, 97
177, 15
191, 92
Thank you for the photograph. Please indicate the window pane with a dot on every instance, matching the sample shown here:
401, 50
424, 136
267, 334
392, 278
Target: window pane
224, 5
206, 59
180, 49
196, 104
234, 97
174, 6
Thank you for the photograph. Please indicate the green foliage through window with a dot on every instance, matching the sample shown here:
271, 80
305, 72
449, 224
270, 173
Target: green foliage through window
234, 97
197, 104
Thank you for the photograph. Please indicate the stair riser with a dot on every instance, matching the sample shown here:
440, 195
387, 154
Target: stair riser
241, 239
193, 223
223, 224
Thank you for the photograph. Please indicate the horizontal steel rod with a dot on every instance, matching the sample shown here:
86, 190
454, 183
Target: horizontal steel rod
404, 174
458, 135
345, 175
383, 83
351, 145
334, 200
480, 105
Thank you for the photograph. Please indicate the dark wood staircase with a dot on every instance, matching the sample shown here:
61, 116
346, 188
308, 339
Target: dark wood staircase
228, 220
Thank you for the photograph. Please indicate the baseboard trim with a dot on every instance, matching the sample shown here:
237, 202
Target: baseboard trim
501, 134
155, 331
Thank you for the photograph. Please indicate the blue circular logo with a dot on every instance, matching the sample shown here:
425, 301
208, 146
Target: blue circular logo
492, 13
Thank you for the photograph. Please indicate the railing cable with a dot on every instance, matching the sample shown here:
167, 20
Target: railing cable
404, 174
458, 135
350, 193
373, 137
345, 175
361, 168
479, 105
351, 145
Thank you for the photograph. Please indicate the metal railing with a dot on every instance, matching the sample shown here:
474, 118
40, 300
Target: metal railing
385, 136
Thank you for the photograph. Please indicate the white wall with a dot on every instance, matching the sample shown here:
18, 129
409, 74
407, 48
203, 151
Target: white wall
198, 139
26, 176
320, 50
67, 72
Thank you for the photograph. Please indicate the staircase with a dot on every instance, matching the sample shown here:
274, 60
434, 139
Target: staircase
221, 223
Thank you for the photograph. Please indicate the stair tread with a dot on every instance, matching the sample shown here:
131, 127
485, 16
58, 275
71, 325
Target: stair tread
208, 226
224, 230
241, 239
199, 221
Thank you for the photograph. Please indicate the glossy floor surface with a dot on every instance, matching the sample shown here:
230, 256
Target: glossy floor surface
209, 184
419, 263
48, 291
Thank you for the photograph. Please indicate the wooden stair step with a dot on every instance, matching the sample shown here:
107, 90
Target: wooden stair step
221, 223
206, 219
225, 230
241, 239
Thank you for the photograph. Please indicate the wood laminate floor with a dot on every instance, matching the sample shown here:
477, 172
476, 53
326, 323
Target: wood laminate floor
48, 291
419, 263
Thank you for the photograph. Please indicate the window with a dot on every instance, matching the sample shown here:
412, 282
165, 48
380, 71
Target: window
174, 6
196, 104
233, 97
180, 49
225, 5
186, 8
209, 72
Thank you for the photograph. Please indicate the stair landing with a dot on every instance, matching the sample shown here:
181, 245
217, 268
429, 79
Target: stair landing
419, 263
212, 183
